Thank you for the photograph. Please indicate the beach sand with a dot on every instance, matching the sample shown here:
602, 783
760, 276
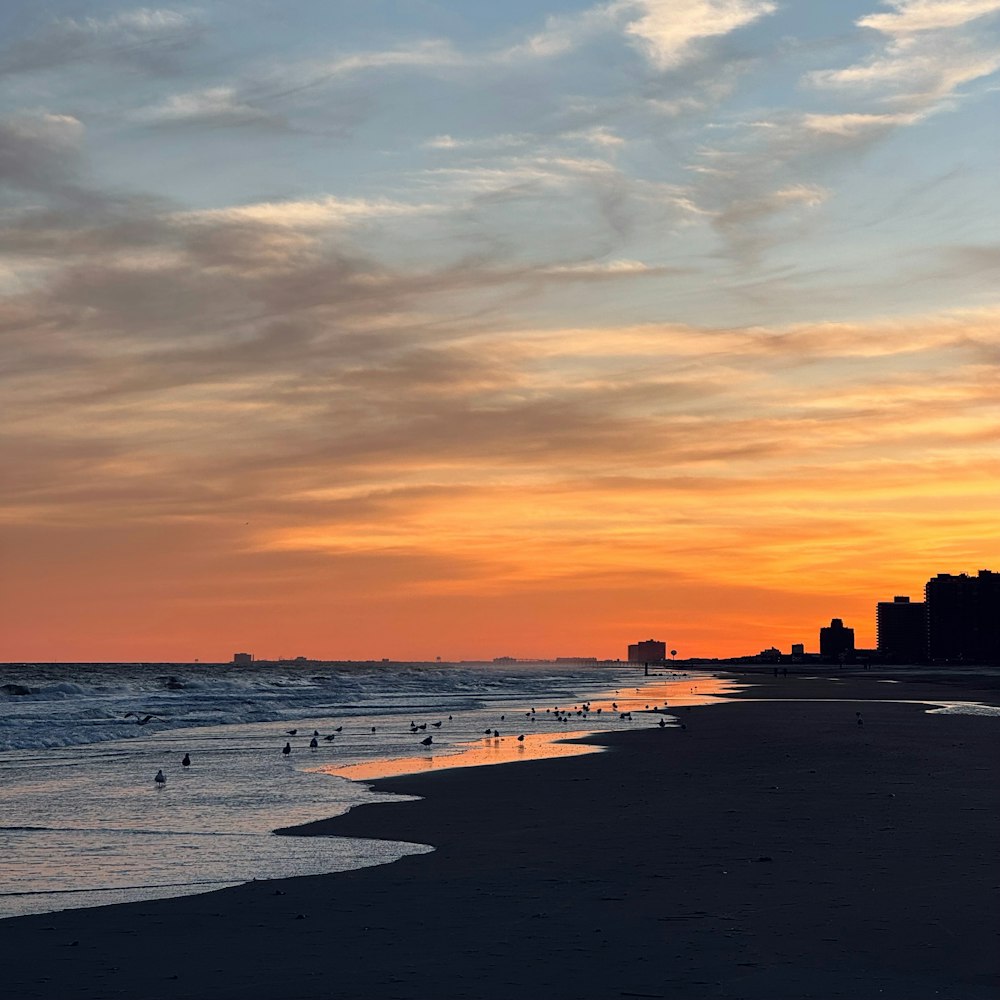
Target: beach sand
772, 849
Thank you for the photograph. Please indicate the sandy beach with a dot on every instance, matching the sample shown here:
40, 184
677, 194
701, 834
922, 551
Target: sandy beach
773, 848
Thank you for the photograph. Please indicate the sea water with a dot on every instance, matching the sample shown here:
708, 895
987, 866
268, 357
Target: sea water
83, 823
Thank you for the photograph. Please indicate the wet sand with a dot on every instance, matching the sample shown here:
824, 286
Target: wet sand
772, 849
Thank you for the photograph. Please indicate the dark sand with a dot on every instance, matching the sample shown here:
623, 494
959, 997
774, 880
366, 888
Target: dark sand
773, 849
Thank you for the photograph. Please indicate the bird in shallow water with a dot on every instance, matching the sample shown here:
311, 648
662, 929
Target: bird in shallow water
160, 779
286, 749
313, 743
436, 725
141, 720
427, 741
291, 732
186, 762
330, 738
520, 738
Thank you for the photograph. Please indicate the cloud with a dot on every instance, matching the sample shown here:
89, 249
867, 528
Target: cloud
925, 55
146, 39
40, 151
308, 213
214, 106
667, 31
909, 17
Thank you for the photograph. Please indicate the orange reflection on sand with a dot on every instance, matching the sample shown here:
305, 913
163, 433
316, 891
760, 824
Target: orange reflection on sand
504, 750
675, 692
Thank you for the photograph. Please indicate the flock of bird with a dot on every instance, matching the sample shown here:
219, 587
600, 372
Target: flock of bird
557, 714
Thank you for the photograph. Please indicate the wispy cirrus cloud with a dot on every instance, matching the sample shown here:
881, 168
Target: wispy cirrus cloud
143, 38
216, 107
925, 56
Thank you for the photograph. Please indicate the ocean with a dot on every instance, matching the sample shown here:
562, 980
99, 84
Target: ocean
83, 823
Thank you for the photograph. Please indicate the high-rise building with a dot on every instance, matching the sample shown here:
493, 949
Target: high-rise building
963, 617
648, 651
835, 641
901, 630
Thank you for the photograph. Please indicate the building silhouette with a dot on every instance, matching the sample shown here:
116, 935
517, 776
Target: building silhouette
901, 630
648, 651
835, 641
963, 617
242, 659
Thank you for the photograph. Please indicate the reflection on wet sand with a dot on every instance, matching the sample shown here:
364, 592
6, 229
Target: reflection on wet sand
486, 751
656, 696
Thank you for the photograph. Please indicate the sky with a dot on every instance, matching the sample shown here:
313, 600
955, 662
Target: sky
417, 328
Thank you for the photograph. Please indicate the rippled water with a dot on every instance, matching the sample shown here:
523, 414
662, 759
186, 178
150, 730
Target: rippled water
82, 822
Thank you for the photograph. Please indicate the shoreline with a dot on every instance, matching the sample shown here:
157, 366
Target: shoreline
771, 849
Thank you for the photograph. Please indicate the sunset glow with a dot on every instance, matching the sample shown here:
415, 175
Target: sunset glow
366, 331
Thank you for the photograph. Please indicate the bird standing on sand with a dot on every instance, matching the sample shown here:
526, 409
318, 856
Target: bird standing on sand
160, 779
286, 749
427, 741
186, 762
520, 738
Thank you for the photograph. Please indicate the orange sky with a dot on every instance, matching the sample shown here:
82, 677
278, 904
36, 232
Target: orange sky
722, 499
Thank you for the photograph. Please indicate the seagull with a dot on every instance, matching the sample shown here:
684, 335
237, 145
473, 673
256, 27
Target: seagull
330, 738
291, 732
313, 743
286, 749
186, 762
160, 778
339, 729
520, 738
141, 719
662, 723
315, 732
436, 725
496, 734
427, 741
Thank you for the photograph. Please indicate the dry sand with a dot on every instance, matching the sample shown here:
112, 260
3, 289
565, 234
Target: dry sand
772, 849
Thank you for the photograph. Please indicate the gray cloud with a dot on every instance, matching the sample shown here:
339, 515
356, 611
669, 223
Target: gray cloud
143, 39
40, 152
